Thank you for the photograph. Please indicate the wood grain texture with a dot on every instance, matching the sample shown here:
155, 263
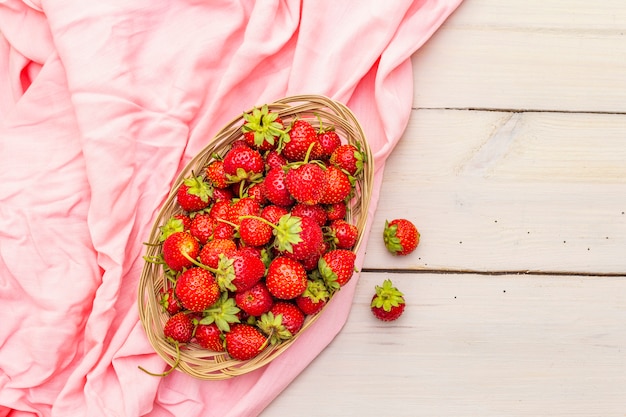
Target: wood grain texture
528, 55
502, 191
474, 345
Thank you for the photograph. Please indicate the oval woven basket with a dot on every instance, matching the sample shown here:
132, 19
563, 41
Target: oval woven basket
193, 359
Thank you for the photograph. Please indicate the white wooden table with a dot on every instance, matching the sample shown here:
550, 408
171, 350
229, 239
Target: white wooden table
515, 161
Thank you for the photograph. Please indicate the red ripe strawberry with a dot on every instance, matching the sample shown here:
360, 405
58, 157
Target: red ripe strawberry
243, 163
337, 267
329, 141
175, 246
337, 186
220, 209
349, 158
202, 226
216, 175
298, 238
255, 231
314, 298
275, 188
314, 211
306, 183
223, 231
301, 136
263, 129
169, 302
286, 278
194, 194
222, 194
388, 303
210, 337
345, 234
197, 289
243, 207
255, 300
248, 269
272, 213
257, 192
178, 328
336, 211
292, 316
244, 342
401, 237
312, 240
211, 251
274, 160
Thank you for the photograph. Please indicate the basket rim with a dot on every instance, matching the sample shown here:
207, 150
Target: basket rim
204, 364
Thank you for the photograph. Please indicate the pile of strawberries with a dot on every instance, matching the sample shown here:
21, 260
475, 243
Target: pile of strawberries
261, 240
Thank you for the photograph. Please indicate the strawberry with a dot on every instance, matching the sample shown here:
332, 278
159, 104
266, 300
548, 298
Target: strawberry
349, 158
275, 188
306, 183
257, 192
209, 336
388, 303
314, 298
256, 300
223, 231
298, 237
344, 234
248, 270
313, 211
216, 175
197, 289
311, 239
286, 278
178, 328
244, 342
272, 213
202, 226
400, 236
194, 194
221, 194
177, 248
243, 163
337, 186
336, 267
263, 129
220, 209
336, 211
255, 231
169, 302
243, 207
211, 251
302, 136
329, 141
273, 159
292, 316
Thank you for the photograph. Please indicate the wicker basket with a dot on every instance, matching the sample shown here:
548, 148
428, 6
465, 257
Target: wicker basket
194, 360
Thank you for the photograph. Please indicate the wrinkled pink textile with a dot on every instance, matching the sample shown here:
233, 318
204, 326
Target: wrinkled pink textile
102, 103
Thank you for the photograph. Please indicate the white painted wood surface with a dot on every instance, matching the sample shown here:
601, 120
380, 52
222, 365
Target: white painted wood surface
515, 158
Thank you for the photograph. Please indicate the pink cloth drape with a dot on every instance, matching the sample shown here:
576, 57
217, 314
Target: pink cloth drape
101, 105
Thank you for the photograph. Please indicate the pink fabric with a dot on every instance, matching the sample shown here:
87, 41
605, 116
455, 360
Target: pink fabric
102, 103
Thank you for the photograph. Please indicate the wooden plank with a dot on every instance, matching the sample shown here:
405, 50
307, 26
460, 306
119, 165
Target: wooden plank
502, 191
528, 55
474, 345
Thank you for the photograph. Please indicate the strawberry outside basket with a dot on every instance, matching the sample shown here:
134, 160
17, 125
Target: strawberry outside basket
193, 359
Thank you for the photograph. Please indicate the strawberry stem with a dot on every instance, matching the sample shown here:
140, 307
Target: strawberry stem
169, 371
